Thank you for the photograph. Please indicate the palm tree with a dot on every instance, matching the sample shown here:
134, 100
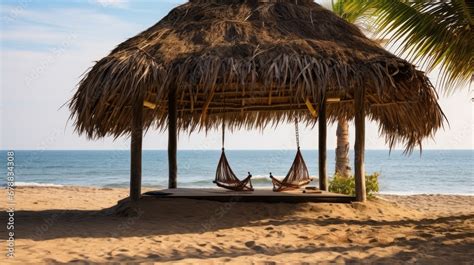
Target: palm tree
342, 150
342, 133
430, 33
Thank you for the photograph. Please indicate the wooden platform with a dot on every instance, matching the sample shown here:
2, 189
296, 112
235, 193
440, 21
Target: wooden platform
269, 196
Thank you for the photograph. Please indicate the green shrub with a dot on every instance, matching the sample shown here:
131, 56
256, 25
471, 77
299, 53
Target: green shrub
346, 185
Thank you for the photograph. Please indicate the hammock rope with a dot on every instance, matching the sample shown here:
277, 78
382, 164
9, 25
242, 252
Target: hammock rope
223, 135
297, 133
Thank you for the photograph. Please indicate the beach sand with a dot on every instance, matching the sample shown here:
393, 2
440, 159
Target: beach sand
77, 224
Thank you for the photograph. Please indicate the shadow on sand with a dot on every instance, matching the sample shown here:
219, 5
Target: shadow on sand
181, 216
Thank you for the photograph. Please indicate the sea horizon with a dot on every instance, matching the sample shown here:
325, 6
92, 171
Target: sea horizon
234, 149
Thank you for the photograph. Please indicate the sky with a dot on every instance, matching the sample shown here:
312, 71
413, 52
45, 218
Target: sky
47, 45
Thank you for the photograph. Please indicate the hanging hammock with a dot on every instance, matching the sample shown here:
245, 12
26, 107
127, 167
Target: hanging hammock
225, 177
298, 174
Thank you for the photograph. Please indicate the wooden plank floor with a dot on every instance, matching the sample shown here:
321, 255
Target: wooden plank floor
257, 195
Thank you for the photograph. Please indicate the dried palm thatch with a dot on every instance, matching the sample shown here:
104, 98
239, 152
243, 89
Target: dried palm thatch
253, 63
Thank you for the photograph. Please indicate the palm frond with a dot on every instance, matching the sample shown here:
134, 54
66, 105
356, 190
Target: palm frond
361, 17
339, 7
430, 33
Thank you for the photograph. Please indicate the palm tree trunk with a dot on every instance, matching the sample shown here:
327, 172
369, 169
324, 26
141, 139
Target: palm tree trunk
342, 149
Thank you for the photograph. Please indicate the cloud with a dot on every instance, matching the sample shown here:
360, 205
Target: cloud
74, 27
112, 3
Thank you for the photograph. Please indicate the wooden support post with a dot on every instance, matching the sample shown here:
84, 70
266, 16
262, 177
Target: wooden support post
323, 178
359, 146
136, 151
172, 140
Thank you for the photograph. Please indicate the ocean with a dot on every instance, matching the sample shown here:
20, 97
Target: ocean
434, 172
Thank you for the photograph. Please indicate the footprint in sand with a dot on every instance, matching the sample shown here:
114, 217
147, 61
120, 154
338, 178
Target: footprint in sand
278, 233
253, 246
216, 248
373, 240
250, 244
72, 261
258, 248
340, 260
426, 235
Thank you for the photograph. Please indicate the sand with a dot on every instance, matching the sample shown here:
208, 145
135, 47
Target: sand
77, 224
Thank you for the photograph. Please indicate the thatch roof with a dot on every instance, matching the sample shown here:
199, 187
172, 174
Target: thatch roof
253, 63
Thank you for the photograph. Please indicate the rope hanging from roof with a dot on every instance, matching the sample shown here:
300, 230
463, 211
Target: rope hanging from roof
298, 174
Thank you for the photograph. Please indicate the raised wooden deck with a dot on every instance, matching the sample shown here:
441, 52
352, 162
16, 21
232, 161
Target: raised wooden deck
269, 196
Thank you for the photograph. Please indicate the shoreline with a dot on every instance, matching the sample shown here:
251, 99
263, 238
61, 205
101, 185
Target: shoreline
156, 187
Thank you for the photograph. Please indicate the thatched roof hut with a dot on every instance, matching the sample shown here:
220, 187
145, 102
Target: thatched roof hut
252, 63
